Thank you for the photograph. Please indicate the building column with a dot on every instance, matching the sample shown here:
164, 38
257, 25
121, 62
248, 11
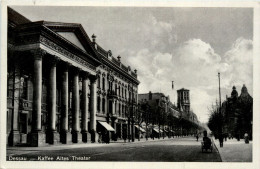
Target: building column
93, 108
37, 138
84, 116
75, 107
65, 135
52, 135
14, 136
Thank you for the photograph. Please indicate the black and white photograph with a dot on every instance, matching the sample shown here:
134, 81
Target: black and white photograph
97, 84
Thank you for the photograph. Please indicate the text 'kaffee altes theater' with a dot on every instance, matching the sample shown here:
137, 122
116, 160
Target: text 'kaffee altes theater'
63, 87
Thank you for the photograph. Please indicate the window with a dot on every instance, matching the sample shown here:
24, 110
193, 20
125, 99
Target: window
98, 103
103, 83
119, 90
103, 105
123, 109
116, 88
115, 108
25, 89
110, 85
98, 83
119, 110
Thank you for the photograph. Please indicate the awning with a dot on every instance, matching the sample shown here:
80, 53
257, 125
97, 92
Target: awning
140, 128
157, 131
106, 125
165, 130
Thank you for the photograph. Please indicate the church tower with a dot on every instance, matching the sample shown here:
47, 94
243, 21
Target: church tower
183, 101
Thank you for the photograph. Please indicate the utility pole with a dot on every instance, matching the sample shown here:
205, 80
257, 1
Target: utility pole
219, 92
220, 104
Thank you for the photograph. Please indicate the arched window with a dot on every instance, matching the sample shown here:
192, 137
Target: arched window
98, 82
98, 103
123, 110
119, 109
119, 93
103, 83
103, 105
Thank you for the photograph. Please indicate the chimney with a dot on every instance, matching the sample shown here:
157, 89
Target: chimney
135, 71
119, 58
93, 38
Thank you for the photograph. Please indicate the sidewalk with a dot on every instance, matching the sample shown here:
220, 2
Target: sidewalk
235, 151
26, 150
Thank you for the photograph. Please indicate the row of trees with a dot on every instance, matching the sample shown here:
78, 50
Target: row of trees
158, 113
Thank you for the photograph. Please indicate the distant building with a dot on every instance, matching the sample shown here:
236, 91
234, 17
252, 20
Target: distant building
238, 113
182, 119
183, 101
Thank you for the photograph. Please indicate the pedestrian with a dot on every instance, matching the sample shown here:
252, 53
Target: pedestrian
197, 137
107, 137
124, 136
246, 138
220, 140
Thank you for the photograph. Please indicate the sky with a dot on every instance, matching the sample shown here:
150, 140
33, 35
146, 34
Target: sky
186, 45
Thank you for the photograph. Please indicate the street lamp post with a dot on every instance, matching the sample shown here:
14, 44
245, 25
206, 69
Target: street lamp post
220, 115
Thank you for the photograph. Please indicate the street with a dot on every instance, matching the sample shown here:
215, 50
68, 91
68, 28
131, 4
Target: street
185, 149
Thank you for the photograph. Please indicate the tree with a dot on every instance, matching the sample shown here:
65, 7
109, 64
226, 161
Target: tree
139, 118
216, 120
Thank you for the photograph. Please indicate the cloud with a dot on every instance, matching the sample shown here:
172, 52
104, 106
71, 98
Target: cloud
239, 64
194, 65
157, 35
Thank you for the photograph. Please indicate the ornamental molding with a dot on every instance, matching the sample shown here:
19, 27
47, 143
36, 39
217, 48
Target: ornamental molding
64, 52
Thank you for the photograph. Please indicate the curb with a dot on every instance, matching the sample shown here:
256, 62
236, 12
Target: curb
217, 149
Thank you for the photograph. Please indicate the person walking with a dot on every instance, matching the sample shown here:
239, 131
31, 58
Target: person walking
124, 136
246, 138
220, 139
197, 137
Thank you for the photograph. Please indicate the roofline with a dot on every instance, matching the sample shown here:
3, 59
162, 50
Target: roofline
183, 89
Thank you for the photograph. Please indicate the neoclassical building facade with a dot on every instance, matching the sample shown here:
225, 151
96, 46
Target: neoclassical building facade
62, 87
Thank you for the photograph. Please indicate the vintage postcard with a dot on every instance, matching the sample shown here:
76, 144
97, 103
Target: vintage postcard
129, 85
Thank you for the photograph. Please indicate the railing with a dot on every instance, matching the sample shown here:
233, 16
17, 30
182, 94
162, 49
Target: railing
115, 61
124, 67
134, 74
102, 51
111, 93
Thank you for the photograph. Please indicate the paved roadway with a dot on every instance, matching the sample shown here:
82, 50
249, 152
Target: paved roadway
168, 150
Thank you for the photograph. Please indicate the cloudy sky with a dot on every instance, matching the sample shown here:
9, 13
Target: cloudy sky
186, 45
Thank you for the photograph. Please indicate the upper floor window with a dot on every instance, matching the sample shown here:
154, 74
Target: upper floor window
98, 103
103, 105
103, 83
25, 88
98, 82
119, 109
